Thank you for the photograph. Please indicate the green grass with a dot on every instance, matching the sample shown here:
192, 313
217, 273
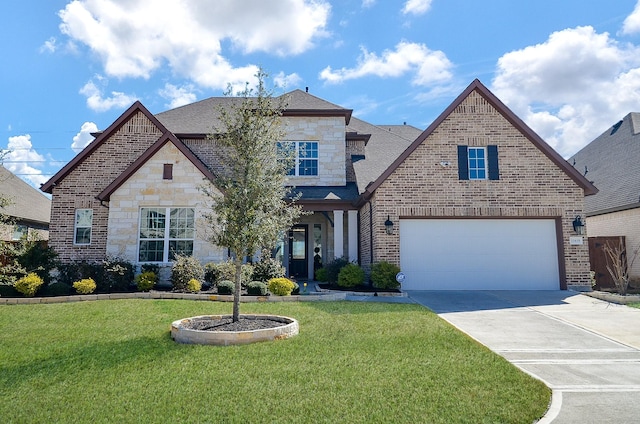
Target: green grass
634, 305
114, 361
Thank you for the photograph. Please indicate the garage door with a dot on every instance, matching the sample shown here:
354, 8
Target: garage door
479, 254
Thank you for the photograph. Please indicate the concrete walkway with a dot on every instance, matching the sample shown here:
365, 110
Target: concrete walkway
586, 350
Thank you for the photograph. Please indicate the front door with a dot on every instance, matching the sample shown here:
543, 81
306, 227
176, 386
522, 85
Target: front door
298, 256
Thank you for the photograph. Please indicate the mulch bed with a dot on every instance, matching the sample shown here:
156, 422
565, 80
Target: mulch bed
227, 324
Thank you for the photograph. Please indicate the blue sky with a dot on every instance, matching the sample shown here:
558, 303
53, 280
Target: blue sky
569, 68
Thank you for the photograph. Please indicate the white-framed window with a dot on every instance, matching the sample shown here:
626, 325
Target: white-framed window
83, 224
477, 163
165, 232
305, 155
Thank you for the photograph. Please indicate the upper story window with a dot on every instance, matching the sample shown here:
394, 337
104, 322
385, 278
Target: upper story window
478, 163
165, 232
83, 224
19, 231
304, 155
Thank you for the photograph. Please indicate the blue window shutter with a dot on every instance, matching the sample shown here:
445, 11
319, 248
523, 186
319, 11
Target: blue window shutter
463, 163
494, 171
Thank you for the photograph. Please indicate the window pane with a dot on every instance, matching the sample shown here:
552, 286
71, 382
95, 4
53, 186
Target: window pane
84, 217
151, 251
152, 222
308, 167
180, 247
83, 235
473, 174
308, 150
482, 174
181, 223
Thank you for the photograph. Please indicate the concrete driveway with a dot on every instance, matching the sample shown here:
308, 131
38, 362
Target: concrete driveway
586, 350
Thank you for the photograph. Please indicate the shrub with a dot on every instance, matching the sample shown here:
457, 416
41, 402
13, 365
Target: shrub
85, 286
185, 268
256, 288
281, 286
146, 280
351, 275
227, 271
383, 275
333, 269
118, 275
29, 284
211, 273
226, 287
267, 268
321, 275
296, 288
7, 290
36, 256
57, 289
194, 286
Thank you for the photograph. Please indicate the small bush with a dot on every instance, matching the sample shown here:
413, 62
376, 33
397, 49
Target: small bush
146, 280
383, 275
211, 273
7, 290
194, 286
185, 268
85, 286
226, 287
333, 269
267, 268
256, 288
281, 286
321, 275
57, 289
351, 275
118, 276
29, 284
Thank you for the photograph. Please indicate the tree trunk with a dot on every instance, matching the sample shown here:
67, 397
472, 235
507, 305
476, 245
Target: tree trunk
236, 291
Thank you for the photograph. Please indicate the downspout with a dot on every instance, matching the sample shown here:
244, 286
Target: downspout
370, 233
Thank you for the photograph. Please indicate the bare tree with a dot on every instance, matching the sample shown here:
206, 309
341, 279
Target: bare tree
253, 210
618, 264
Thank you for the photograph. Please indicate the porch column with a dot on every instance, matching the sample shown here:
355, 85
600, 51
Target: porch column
338, 236
352, 228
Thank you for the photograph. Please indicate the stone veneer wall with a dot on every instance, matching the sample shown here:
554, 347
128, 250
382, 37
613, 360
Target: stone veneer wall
353, 147
147, 188
623, 223
530, 185
78, 190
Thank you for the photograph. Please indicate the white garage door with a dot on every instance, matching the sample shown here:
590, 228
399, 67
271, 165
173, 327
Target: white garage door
479, 254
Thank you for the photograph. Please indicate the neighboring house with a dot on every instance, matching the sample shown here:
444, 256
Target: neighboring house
477, 201
612, 163
28, 210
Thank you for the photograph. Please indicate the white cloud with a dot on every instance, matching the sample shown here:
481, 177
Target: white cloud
287, 82
178, 96
23, 160
49, 46
416, 7
631, 25
427, 66
134, 39
572, 87
368, 3
98, 103
84, 137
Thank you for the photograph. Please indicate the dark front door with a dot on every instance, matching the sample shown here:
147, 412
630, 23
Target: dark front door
298, 259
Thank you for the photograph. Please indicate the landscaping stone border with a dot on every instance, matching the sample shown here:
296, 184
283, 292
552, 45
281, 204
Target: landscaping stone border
614, 297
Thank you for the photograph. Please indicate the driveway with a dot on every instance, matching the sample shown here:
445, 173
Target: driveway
586, 350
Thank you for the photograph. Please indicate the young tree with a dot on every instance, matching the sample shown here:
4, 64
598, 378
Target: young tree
254, 209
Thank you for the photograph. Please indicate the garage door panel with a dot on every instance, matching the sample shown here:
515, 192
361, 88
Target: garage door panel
479, 254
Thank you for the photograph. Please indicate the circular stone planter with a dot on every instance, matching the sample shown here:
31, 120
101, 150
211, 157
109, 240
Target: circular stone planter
182, 330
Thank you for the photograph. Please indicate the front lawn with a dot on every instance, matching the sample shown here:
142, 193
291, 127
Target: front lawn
113, 361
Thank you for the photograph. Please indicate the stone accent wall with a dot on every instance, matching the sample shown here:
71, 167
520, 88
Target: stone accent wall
530, 185
147, 188
623, 223
353, 147
78, 190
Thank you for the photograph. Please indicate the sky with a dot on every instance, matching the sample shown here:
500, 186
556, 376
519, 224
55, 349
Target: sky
569, 68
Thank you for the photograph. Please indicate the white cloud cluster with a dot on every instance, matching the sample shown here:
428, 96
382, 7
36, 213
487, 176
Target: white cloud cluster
84, 137
416, 7
572, 87
21, 159
287, 82
427, 66
96, 100
178, 96
631, 25
134, 39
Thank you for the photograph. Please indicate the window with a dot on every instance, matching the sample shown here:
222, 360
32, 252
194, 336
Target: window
19, 231
305, 155
478, 163
84, 221
161, 239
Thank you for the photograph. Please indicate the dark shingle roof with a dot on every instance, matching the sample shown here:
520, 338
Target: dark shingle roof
27, 203
612, 162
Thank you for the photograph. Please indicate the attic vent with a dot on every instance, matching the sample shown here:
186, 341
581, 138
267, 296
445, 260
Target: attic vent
167, 171
615, 128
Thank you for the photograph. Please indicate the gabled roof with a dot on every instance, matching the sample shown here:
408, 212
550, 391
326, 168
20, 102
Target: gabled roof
27, 203
167, 137
201, 118
102, 137
523, 128
612, 163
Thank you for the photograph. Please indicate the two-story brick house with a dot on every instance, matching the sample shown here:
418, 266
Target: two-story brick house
476, 201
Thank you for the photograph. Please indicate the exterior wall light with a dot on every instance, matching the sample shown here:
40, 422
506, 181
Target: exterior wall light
388, 226
578, 225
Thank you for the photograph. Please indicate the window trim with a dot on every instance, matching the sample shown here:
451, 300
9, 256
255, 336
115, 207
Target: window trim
166, 238
295, 171
76, 227
477, 169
